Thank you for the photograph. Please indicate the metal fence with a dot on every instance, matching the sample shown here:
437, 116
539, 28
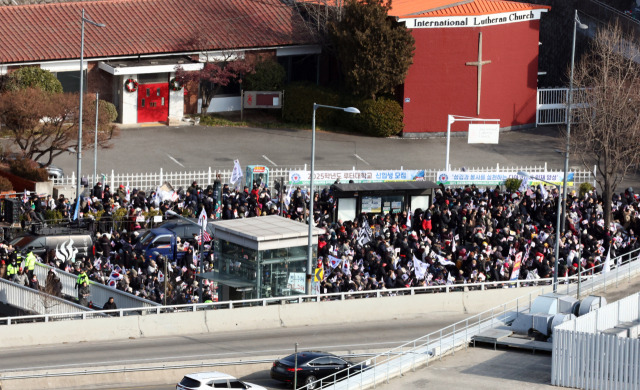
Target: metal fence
99, 292
35, 301
150, 181
585, 358
552, 107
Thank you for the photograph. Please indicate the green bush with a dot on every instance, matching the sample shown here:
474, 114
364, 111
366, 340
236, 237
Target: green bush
298, 104
380, 118
28, 169
52, 215
110, 108
5, 184
269, 76
585, 188
512, 184
33, 77
96, 215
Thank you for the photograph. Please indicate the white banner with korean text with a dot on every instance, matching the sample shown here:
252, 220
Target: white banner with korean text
452, 178
330, 177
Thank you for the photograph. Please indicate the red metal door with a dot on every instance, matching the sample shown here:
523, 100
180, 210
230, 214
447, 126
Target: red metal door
153, 102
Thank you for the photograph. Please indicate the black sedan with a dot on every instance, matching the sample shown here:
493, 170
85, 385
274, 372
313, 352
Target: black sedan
312, 366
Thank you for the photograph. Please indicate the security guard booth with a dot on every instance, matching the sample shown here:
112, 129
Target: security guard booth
381, 198
258, 174
260, 257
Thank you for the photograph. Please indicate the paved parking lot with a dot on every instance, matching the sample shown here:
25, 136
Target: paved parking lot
146, 149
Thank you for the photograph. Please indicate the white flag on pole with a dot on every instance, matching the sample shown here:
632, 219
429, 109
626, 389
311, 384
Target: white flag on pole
202, 219
364, 235
543, 191
524, 185
287, 198
607, 263
236, 174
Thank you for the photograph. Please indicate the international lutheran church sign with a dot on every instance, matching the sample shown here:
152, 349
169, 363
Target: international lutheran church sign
473, 21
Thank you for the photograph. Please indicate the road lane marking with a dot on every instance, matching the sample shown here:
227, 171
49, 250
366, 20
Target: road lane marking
267, 158
175, 161
211, 356
361, 159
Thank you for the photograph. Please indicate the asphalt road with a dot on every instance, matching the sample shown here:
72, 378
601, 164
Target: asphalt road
230, 346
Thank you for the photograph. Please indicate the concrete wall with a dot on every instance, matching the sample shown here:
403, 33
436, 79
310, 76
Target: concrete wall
176, 104
273, 316
129, 102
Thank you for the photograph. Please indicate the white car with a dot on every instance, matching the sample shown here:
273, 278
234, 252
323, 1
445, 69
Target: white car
214, 380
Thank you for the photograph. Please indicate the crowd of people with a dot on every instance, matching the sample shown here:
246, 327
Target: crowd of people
466, 235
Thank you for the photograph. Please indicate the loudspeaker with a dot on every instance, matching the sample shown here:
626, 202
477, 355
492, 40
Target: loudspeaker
12, 210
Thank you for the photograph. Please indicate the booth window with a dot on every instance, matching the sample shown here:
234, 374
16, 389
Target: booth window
347, 209
420, 202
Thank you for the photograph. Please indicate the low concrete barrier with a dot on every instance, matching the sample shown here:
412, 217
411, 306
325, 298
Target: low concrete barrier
264, 317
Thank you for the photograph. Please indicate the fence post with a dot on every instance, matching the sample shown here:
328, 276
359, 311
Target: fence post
112, 183
209, 182
618, 263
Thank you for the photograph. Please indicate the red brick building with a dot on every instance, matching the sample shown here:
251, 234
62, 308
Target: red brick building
144, 40
476, 58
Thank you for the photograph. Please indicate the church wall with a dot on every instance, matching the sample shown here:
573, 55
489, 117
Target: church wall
439, 83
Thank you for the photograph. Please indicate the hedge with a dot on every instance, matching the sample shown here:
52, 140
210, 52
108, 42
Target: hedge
298, 104
380, 118
5, 184
28, 169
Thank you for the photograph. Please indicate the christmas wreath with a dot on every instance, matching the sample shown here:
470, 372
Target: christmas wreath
175, 85
131, 85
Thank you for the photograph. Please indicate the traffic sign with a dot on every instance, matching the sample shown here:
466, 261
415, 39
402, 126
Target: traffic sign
318, 275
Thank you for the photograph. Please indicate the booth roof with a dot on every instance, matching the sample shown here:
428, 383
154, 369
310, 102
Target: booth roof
260, 229
387, 186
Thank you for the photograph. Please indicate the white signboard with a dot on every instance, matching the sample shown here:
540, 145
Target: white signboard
296, 281
484, 133
450, 178
330, 177
473, 21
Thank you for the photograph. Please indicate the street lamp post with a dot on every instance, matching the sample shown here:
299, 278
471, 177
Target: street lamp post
576, 24
351, 110
558, 212
79, 161
95, 145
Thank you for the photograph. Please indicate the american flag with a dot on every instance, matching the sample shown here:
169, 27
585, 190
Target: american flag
207, 237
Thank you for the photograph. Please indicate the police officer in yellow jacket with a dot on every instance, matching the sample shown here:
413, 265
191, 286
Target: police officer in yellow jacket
80, 282
12, 268
29, 264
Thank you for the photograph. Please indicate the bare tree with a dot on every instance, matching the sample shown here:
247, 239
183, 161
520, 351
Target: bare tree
608, 121
44, 125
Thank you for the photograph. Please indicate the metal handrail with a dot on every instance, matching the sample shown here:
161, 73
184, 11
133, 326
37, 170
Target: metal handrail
585, 274
99, 293
28, 299
417, 350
